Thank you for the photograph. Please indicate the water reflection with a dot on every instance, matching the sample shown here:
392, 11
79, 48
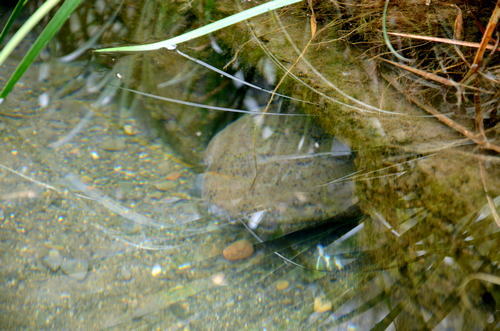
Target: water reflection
103, 225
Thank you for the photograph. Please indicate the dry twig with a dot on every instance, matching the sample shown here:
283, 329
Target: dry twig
445, 40
477, 138
490, 28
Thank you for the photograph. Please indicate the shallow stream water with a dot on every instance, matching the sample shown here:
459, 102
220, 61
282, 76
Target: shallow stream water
105, 225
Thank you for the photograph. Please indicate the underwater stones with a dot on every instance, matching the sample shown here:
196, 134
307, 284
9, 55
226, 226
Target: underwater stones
113, 144
75, 268
238, 250
282, 285
165, 186
53, 260
322, 305
278, 174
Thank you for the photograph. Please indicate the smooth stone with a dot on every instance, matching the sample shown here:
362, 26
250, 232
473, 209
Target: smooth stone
75, 268
277, 173
53, 260
124, 274
282, 285
113, 144
238, 250
165, 185
322, 305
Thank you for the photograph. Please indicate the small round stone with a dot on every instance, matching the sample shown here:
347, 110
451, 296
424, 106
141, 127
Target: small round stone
282, 285
53, 260
165, 185
156, 271
322, 305
75, 268
219, 279
238, 250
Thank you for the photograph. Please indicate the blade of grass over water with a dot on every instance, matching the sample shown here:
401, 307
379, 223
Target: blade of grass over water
15, 13
26, 28
206, 29
62, 14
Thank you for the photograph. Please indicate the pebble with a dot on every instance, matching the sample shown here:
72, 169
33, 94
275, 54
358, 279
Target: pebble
53, 260
174, 175
124, 274
75, 268
219, 279
113, 144
130, 130
322, 305
282, 285
156, 271
238, 250
165, 185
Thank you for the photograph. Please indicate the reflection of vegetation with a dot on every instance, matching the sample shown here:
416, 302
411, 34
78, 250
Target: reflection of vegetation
428, 253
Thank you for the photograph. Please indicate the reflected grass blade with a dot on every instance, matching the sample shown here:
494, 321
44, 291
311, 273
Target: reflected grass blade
15, 13
47, 34
206, 29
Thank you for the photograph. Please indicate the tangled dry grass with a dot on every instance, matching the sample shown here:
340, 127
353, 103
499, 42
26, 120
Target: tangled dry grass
446, 53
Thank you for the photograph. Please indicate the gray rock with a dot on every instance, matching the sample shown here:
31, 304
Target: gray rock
53, 260
279, 173
75, 268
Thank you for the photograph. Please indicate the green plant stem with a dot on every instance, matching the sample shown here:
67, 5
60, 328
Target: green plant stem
206, 29
15, 13
61, 16
386, 36
26, 28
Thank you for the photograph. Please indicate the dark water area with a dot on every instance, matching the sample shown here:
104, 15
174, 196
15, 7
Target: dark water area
124, 211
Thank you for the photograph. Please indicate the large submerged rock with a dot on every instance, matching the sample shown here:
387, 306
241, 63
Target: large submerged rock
277, 173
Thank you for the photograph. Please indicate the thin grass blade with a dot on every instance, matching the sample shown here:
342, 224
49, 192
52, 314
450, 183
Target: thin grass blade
15, 14
62, 14
26, 28
206, 29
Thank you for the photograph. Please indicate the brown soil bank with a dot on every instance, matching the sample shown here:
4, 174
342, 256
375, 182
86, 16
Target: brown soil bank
336, 58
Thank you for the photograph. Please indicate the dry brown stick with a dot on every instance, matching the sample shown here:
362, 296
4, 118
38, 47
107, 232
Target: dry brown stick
312, 21
490, 28
444, 119
458, 27
445, 40
423, 73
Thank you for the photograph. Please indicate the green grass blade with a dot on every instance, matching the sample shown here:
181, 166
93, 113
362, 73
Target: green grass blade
206, 29
15, 13
26, 28
47, 34
386, 36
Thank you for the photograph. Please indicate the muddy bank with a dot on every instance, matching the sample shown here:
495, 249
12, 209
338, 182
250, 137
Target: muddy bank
354, 99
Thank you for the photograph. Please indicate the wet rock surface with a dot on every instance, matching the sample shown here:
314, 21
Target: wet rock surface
238, 250
75, 268
53, 260
279, 173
